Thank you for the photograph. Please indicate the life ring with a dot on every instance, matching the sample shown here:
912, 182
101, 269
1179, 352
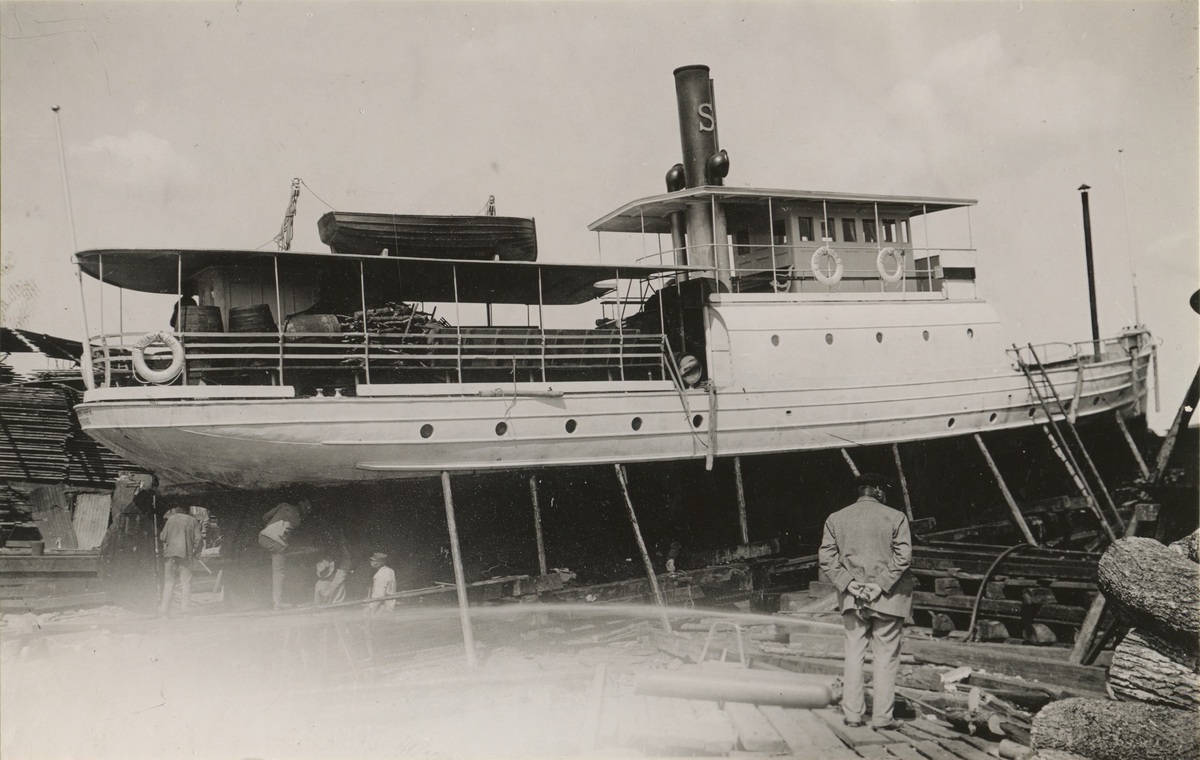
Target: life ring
826, 279
881, 266
167, 374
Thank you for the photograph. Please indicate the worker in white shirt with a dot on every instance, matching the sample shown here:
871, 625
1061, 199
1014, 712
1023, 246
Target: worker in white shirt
383, 583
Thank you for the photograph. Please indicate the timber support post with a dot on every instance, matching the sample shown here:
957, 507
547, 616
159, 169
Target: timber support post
1008, 497
459, 577
1182, 418
903, 482
1080, 483
637, 533
741, 497
849, 461
1132, 445
537, 523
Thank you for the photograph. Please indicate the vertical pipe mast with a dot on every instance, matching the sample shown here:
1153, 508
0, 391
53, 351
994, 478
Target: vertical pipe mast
1091, 272
85, 358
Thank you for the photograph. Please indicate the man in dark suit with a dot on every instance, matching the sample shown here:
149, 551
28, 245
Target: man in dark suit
866, 551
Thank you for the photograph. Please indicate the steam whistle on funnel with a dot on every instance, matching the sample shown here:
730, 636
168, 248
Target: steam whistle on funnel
704, 163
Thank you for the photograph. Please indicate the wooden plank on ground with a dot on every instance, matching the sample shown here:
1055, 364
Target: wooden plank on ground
91, 518
872, 750
806, 734
755, 732
952, 742
904, 751
1018, 662
720, 736
54, 602
930, 748
855, 736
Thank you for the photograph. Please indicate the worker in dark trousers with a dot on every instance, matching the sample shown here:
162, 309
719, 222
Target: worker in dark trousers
182, 540
280, 522
865, 552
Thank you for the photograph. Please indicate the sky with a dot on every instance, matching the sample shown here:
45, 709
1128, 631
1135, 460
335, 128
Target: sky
184, 123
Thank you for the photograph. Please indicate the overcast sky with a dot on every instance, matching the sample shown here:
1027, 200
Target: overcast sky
184, 124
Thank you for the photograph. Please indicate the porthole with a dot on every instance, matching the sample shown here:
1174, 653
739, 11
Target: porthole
970, 333
426, 430
950, 424
697, 421
925, 334
1096, 401
774, 340
788, 412
1067, 405
1032, 412
829, 338
878, 337
501, 428
992, 417
571, 426
636, 424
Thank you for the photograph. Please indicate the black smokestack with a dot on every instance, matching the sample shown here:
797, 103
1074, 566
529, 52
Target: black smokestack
704, 163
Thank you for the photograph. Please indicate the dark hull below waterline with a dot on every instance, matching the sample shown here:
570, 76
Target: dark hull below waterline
480, 238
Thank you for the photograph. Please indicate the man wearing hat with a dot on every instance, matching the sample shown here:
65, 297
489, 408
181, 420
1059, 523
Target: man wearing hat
383, 583
866, 551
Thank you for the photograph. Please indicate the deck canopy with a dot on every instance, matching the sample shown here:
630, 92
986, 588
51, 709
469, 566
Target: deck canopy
408, 279
653, 214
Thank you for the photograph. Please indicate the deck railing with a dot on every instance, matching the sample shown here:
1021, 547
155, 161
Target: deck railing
342, 360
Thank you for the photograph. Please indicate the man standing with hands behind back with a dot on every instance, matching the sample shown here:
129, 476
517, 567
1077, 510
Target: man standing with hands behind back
866, 551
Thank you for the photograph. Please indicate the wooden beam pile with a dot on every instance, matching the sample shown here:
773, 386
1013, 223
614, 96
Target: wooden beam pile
1156, 589
1037, 595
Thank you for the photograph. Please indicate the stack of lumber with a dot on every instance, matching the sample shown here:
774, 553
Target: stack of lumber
1156, 589
42, 440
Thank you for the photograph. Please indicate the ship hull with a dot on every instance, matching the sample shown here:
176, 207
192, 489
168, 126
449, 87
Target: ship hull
418, 430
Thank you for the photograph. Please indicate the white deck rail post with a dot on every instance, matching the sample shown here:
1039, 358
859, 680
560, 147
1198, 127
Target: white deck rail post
279, 315
362, 284
460, 582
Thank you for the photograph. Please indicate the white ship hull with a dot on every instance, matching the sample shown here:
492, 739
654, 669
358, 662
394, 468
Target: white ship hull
796, 400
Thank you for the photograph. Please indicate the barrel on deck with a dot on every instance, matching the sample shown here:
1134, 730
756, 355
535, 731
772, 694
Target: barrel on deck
312, 323
252, 319
202, 319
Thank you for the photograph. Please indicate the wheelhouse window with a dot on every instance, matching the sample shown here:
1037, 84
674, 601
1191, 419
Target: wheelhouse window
827, 227
889, 230
779, 232
849, 233
869, 233
805, 223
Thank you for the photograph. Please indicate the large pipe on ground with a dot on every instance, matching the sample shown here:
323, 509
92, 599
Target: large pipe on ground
729, 684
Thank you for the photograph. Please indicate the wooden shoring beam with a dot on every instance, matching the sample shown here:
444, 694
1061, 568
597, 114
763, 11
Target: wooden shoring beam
1182, 418
459, 577
741, 497
1137, 454
849, 461
1008, 497
903, 482
637, 532
537, 523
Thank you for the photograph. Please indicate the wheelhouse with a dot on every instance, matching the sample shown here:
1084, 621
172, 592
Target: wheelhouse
760, 240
